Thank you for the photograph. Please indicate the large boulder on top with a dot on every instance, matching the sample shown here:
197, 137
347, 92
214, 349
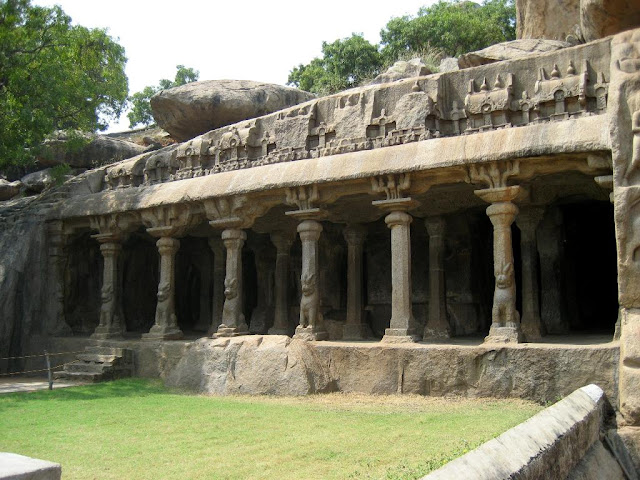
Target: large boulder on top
198, 107
85, 150
9, 189
509, 51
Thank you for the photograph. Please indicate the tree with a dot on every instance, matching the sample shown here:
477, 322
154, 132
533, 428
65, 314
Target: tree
141, 107
345, 64
455, 27
53, 75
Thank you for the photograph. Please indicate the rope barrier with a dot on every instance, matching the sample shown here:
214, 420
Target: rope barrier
36, 356
40, 370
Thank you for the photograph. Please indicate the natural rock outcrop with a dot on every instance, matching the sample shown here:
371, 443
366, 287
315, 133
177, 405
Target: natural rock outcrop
255, 365
509, 51
9, 189
198, 107
92, 150
403, 69
600, 18
584, 20
36, 182
550, 19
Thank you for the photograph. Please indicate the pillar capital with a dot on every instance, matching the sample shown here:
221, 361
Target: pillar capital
398, 218
231, 235
309, 230
167, 245
282, 240
528, 220
502, 214
354, 234
436, 226
110, 248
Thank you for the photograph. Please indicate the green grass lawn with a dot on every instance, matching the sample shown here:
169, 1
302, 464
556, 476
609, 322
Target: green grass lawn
136, 429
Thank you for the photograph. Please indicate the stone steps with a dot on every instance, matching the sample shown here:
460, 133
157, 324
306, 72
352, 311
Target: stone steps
98, 364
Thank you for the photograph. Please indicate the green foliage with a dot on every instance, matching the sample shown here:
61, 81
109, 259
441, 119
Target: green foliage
449, 27
344, 64
140, 106
53, 76
456, 27
59, 173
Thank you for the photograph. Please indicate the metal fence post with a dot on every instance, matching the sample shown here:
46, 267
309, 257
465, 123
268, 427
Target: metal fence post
49, 374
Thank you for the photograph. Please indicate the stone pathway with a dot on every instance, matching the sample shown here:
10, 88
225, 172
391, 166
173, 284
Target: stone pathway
30, 384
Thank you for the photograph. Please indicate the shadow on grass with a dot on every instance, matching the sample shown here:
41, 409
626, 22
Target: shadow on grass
131, 387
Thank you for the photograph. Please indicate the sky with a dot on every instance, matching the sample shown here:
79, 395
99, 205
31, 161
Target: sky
229, 39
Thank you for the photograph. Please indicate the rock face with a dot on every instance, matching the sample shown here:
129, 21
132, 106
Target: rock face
97, 150
550, 19
279, 365
600, 18
509, 51
198, 107
586, 20
401, 70
9, 189
256, 365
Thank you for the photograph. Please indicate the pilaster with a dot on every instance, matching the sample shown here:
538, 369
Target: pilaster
531, 323
282, 242
354, 328
437, 326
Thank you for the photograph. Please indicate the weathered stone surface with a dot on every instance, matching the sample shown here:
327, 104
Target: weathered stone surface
9, 189
600, 18
256, 365
19, 467
97, 150
36, 182
448, 64
198, 107
549, 445
282, 366
403, 69
550, 19
509, 51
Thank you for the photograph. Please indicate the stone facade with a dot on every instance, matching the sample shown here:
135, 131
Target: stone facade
475, 202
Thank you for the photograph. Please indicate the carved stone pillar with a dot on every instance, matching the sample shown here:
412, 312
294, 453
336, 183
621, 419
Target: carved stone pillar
233, 321
166, 324
56, 324
437, 324
165, 223
402, 326
282, 242
111, 316
505, 326
354, 328
531, 323
112, 230
215, 243
311, 325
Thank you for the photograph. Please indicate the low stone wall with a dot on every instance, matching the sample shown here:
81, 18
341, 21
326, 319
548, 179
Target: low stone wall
19, 467
561, 442
281, 366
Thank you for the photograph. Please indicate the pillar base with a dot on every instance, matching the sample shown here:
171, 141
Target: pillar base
310, 334
436, 333
163, 333
531, 332
103, 332
279, 331
357, 331
400, 335
504, 335
224, 331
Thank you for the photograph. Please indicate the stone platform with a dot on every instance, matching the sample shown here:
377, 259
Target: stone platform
276, 364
